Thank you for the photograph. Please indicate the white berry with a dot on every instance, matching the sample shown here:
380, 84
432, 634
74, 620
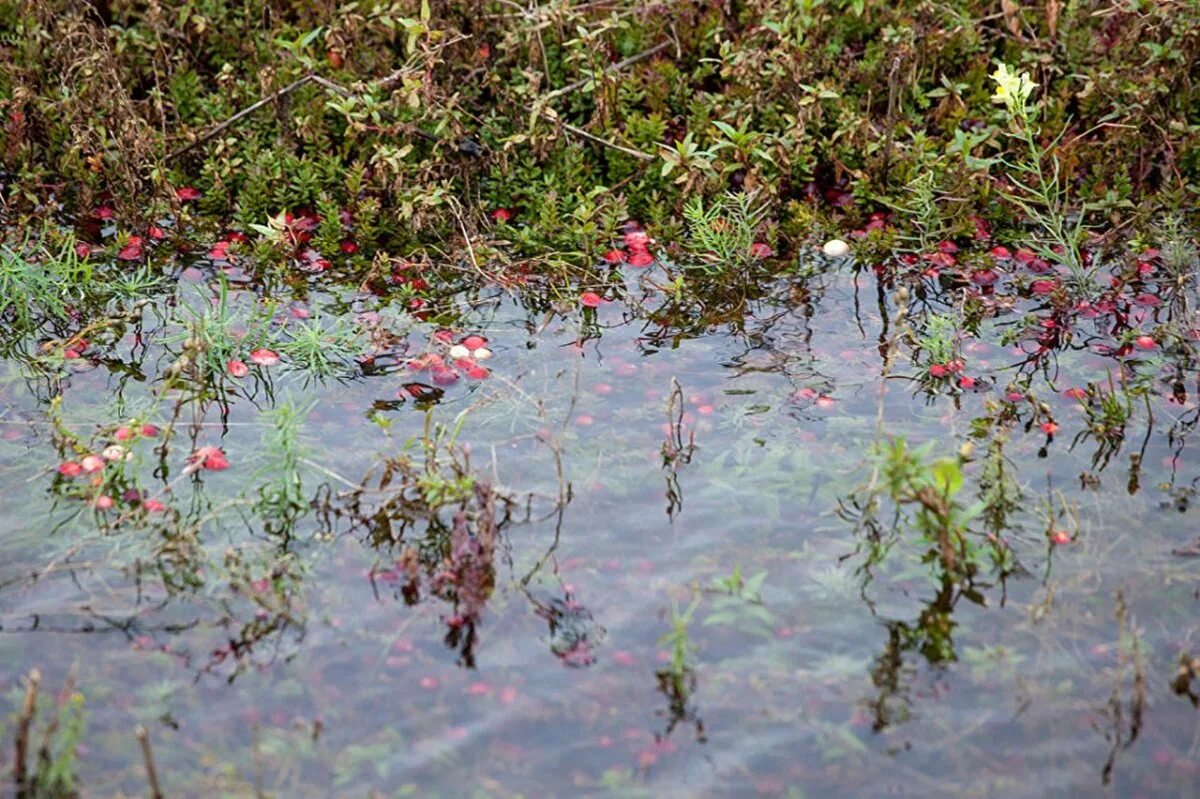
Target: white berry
835, 248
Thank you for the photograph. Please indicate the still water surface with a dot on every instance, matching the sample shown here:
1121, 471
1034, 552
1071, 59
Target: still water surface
301, 659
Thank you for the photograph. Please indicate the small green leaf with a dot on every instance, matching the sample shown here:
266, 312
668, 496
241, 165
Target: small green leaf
947, 476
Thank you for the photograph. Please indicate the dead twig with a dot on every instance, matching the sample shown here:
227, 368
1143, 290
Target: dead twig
151, 775
617, 67
24, 722
245, 112
384, 84
594, 139
389, 81
891, 118
550, 116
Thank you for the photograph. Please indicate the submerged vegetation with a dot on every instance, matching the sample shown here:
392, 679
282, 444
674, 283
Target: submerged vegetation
350, 354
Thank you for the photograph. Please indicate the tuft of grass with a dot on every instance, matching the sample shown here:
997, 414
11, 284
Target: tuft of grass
41, 288
217, 332
321, 348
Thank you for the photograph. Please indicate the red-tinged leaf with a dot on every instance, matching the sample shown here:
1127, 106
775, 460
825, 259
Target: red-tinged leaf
209, 458
264, 357
131, 252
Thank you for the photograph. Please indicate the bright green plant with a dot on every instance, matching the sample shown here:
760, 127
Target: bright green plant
926, 498
738, 603
939, 338
320, 348
680, 646
919, 206
721, 235
1036, 173
40, 286
690, 160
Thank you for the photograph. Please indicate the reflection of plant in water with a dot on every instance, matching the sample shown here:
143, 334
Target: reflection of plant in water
924, 495
931, 635
167, 531
1107, 413
677, 680
1124, 732
739, 604
468, 575
676, 450
401, 504
999, 490
693, 308
282, 499
1187, 673
267, 585
574, 634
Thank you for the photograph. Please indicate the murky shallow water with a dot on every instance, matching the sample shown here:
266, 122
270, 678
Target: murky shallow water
319, 674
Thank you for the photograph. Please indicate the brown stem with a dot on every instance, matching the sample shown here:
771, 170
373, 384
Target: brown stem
583, 134
617, 67
891, 119
23, 725
147, 756
311, 77
250, 109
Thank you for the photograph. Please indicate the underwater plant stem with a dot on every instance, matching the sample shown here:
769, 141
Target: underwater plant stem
899, 321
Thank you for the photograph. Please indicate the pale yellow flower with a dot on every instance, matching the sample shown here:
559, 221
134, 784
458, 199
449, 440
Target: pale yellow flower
1012, 89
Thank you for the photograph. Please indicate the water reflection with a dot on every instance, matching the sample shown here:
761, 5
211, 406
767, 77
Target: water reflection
387, 560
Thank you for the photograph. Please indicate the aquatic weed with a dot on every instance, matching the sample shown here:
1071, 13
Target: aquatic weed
722, 235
